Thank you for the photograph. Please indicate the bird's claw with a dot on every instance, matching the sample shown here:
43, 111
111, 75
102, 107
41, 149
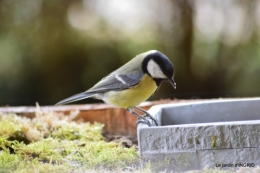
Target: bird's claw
143, 122
147, 122
155, 123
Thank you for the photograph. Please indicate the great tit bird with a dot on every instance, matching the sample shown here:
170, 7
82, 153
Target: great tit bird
132, 84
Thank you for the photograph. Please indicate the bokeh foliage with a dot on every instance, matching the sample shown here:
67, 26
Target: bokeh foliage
50, 50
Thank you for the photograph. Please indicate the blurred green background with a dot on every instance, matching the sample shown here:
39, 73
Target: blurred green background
52, 49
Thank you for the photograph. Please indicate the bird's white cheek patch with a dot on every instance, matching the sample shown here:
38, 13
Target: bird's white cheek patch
154, 69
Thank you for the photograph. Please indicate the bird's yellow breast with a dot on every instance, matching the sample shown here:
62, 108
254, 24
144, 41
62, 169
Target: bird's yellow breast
133, 96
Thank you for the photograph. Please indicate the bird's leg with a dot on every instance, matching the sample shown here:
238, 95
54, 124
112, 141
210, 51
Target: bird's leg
147, 115
141, 119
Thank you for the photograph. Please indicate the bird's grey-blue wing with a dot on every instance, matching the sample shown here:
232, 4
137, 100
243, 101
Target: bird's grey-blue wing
117, 82
112, 82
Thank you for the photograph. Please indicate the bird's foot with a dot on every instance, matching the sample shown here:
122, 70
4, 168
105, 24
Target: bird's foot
154, 121
146, 118
148, 121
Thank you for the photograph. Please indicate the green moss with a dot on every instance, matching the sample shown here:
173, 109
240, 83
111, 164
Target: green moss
52, 142
9, 126
8, 162
73, 131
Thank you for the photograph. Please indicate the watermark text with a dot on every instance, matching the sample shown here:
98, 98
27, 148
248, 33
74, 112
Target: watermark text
234, 165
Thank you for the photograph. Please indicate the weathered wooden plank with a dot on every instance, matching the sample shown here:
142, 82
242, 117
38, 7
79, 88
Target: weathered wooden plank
117, 121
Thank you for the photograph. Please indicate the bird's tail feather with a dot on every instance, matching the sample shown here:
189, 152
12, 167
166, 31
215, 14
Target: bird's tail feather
74, 98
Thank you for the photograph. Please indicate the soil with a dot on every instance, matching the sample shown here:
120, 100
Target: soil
126, 141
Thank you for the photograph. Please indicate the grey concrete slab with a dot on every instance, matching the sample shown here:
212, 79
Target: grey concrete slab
207, 133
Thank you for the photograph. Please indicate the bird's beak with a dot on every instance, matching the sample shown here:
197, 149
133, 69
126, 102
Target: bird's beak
171, 80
